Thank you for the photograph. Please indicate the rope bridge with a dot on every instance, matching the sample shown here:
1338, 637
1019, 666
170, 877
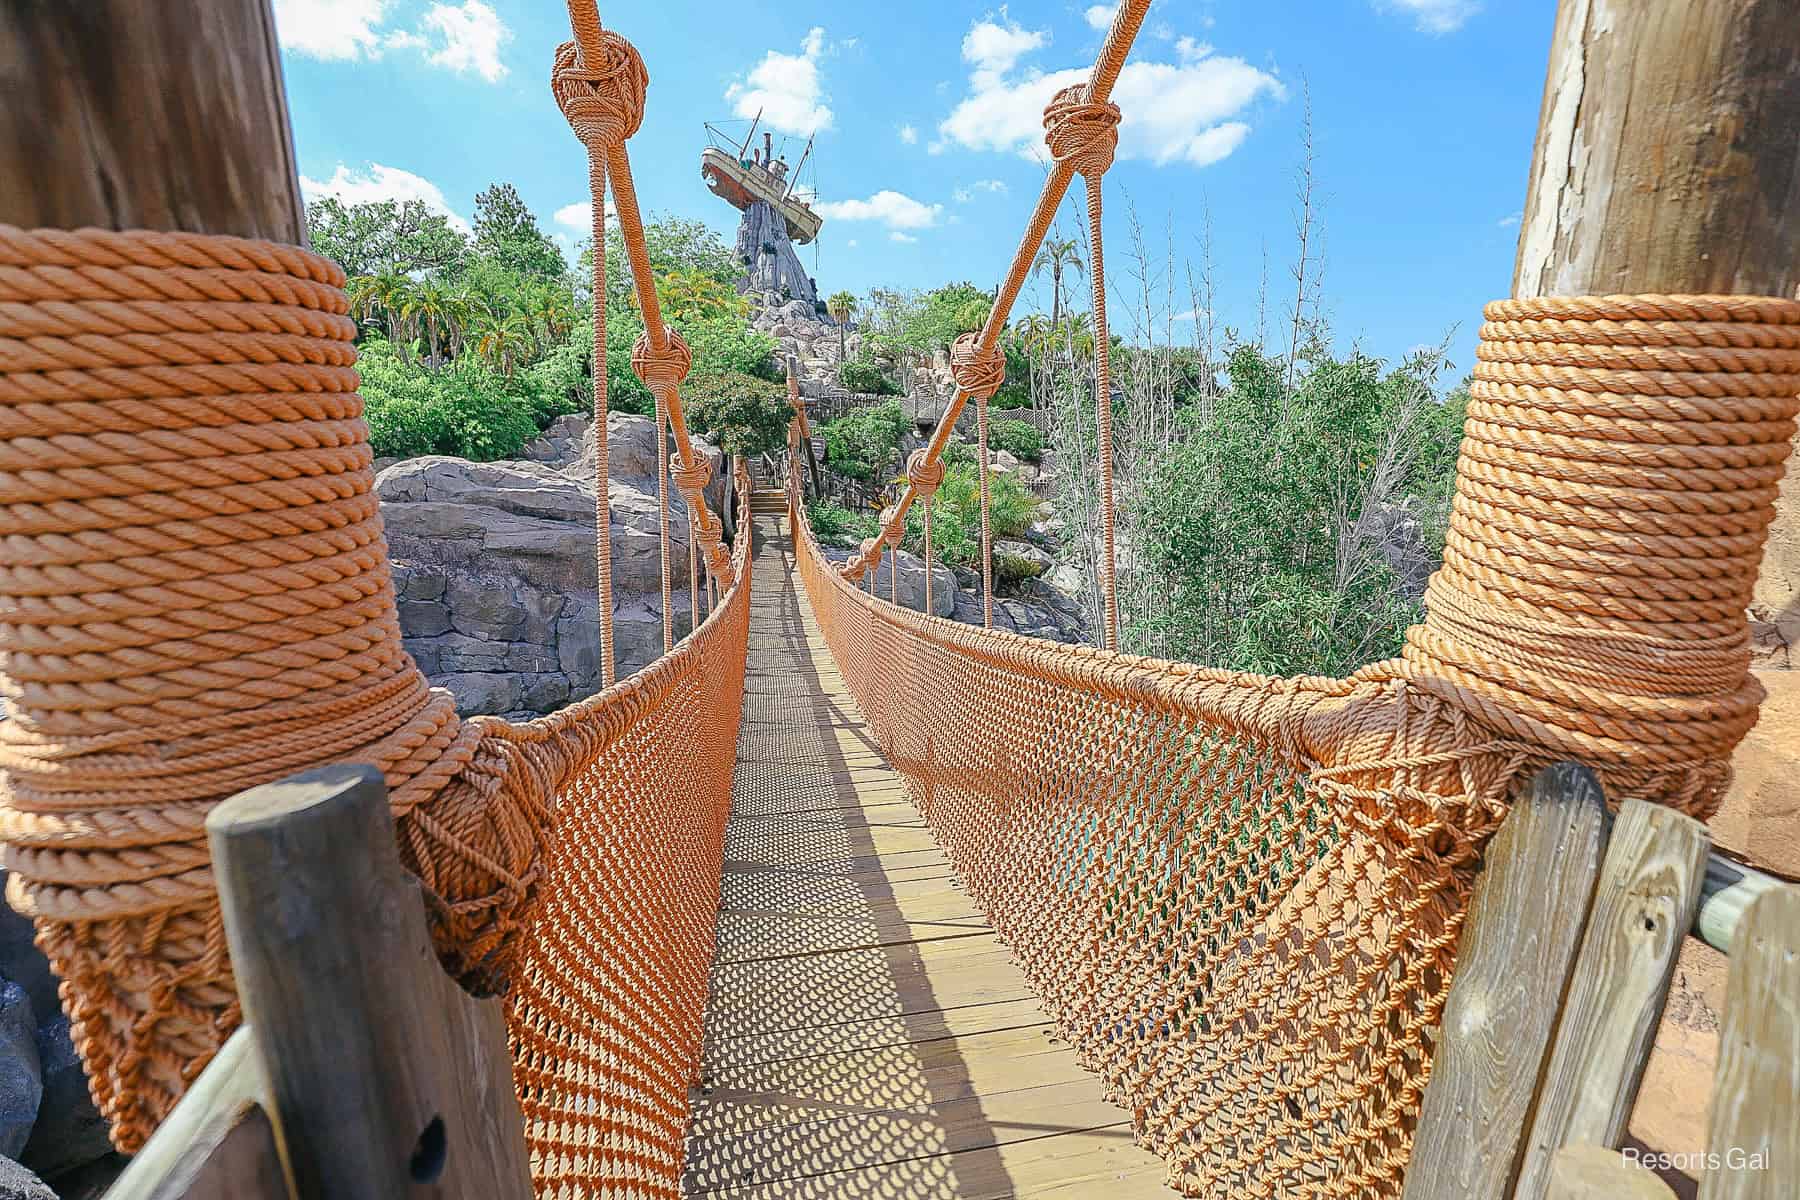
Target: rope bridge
1238, 897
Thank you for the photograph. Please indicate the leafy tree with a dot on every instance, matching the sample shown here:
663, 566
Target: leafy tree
865, 441
863, 374
466, 409
437, 313
507, 232
686, 295
841, 305
505, 342
745, 414
399, 236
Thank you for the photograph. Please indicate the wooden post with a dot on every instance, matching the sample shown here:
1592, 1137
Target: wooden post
385, 1079
1524, 924
127, 115
1595, 1173
1667, 161
1666, 156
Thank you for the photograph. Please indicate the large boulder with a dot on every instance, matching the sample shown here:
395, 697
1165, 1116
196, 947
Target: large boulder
17, 1183
21, 1079
69, 1132
495, 570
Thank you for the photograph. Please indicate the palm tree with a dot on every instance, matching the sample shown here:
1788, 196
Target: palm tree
433, 310
505, 342
1056, 256
840, 306
383, 296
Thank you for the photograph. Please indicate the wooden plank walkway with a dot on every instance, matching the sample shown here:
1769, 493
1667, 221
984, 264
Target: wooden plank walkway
866, 1033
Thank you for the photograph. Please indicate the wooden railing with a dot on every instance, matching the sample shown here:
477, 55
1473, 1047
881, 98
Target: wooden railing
1562, 973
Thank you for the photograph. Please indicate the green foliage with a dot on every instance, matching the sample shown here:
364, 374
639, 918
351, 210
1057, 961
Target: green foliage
834, 525
744, 414
467, 409
1250, 522
366, 239
686, 295
922, 322
508, 233
726, 343
956, 514
1021, 439
865, 443
864, 375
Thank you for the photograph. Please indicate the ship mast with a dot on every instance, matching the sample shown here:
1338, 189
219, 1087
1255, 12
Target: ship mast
745, 148
794, 180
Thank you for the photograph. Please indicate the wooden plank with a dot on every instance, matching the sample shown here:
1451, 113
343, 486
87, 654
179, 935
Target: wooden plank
837, 1036
218, 1143
1649, 889
1753, 1133
1584, 1172
385, 1079
126, 115
1524, 926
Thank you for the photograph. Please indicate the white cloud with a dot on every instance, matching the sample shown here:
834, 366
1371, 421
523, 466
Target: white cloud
472, 35
851, 243
1510, 220
465, 38
908, 134
903, 238
1436, 16
382, 183
786, 89
331, 29
888, 207
1192, 314
1100, 16
992, 49
1174, 112
578, 216
967, 192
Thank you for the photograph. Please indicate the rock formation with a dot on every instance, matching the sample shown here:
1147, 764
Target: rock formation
494, 565
769, 258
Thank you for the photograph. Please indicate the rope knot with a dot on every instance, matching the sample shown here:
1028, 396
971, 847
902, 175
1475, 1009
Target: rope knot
892, 531
718, 562
925, 474
976, 371
666, 367
692, 479
604, 102
1081, 133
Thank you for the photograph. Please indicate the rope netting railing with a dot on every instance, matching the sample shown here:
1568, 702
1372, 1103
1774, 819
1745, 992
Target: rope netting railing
1239, 897
196, 597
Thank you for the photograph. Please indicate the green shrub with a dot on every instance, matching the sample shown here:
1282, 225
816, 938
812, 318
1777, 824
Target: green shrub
956, 515
865, 442
1020, 439
466, 408
835, 525
863, 374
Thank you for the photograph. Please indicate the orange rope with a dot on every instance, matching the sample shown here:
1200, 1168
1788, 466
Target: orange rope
979, 373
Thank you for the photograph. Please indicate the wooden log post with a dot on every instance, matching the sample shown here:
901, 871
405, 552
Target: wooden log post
126, 115
385, 1079
1667, 161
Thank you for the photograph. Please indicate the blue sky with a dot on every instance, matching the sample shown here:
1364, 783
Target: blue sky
1423, 118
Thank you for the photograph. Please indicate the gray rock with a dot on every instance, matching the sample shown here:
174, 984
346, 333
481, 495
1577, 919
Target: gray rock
912, 581
70, 1132
23, 963
483, 691
21, 1079
17, 1183
1014, 560
423, 618
545, 693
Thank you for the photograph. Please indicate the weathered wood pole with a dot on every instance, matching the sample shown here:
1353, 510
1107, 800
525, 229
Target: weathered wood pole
1667, 155
126, 115
385, 1079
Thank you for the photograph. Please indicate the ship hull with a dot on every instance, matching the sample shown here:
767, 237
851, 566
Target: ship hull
741, 186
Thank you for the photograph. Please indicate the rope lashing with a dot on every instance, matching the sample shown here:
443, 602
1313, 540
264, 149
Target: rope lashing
196, 598
979, 373
1085, 135
925, 474
1616, 479
662, 368
893, 532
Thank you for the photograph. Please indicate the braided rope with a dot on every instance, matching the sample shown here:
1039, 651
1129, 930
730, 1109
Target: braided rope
979, 373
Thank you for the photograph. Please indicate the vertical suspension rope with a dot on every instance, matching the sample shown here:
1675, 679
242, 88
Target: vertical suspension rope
693, 573
979, 373
1085, 135
662, 504
602, 450
925, 473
